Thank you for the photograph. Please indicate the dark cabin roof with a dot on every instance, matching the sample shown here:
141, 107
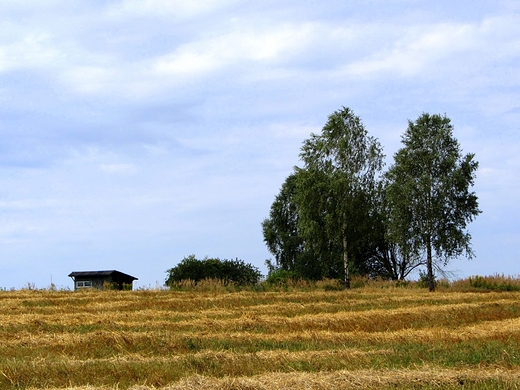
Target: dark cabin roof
101, 273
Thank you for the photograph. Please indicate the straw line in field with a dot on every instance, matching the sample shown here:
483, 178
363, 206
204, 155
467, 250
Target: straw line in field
486, 330
240, 319
249, 340
432, 377
258, 357
362, 379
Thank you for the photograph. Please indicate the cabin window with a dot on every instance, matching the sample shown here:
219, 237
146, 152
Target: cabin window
83, 284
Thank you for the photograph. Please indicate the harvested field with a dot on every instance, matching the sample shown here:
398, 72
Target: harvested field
308, 339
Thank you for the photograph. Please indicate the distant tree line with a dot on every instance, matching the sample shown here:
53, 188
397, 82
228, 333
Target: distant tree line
340, 214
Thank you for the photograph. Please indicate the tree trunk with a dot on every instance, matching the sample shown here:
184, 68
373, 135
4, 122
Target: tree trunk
429, 265
345, 262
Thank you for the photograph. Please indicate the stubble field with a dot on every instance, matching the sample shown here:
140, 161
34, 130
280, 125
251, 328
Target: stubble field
301, 339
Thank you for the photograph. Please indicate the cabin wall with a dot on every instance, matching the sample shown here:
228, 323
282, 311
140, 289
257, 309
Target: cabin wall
102, 283
96, 283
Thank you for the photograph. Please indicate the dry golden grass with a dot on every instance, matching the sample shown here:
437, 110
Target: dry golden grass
360, 379
371, 337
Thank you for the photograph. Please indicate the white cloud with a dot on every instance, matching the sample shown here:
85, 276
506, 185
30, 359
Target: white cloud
8, 6
20, 234
118, 168
177, 121
431, 49
281, 51
26, 204
90, 78
32, 51
186, 60
410, 55
269, 45
300, 131
104, 73
178, 9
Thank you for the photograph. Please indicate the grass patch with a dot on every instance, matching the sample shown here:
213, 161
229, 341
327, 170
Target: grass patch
302, 336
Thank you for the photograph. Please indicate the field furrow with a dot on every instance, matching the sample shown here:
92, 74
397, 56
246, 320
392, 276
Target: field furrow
362, 338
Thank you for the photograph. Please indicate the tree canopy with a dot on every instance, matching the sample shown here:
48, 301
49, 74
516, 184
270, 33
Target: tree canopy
429, 193
339, 213
329, 197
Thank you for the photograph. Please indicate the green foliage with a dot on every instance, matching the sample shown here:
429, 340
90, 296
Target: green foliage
336, 216
281, 277
336, 184
235, 272
430, 203
494, 283
280, 230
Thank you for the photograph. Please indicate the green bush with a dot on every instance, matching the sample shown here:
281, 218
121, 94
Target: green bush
281, 277
193, 270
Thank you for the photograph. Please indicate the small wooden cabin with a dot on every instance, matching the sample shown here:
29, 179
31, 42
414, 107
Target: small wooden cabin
102, 280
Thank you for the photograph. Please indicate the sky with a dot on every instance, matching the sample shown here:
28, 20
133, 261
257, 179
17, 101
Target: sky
134, 133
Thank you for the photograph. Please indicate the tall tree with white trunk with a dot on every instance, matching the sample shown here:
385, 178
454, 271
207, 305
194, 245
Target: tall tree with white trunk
429, 193
341, 167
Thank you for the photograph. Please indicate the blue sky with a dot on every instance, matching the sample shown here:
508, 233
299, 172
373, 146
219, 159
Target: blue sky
134, 133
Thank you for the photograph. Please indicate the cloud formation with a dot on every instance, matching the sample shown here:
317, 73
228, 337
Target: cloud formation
134, 133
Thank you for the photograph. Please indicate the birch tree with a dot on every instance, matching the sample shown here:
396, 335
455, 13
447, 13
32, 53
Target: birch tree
340, 170
429, 194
